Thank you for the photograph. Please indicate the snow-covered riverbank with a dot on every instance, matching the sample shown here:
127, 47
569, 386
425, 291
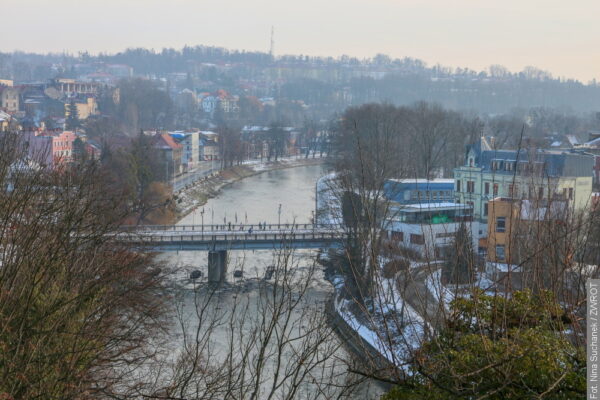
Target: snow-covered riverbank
198, 194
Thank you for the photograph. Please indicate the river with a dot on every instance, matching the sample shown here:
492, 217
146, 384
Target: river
286, 195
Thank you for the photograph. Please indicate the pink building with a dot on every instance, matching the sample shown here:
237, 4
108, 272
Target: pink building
62, 147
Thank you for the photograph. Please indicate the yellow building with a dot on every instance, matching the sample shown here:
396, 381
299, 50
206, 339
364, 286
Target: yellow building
516, 228
85, 109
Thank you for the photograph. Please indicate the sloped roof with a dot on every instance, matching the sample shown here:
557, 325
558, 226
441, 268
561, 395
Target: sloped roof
164, 140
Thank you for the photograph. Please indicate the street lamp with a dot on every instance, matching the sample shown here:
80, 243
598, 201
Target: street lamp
202, 214
279, 217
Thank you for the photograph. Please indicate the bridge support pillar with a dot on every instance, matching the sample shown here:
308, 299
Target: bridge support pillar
217, 266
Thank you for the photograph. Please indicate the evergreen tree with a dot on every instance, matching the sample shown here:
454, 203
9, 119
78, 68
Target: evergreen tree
460, 262
79, 152
495, 347
72, 121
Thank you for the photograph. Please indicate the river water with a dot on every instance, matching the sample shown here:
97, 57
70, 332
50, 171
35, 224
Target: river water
285, 196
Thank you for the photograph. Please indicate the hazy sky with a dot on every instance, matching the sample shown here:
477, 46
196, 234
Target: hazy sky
560, 36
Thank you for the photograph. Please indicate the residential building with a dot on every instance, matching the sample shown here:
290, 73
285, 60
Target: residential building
9, 99
222, 100
5, 121
209, 104
592, 146
190, 142
429, 228
74, 87
523, 174
62, 147
210, 150
85, 107
418, 191
170, 154
518, 234
40, 147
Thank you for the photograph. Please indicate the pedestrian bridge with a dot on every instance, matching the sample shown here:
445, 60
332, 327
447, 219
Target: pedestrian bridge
233, 236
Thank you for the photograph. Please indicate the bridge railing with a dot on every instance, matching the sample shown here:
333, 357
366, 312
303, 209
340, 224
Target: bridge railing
231, 227
208, 237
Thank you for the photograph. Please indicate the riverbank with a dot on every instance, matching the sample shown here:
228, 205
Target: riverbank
198, 194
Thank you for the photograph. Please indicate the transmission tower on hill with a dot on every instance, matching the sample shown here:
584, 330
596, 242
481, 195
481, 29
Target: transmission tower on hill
272, 49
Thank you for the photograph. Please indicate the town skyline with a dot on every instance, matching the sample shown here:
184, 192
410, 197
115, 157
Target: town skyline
548, 35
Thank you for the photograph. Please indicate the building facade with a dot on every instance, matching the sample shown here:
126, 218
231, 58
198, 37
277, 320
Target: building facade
190, 156
429, 228
522, 174
416, 191
62, 147
170, 154
9, 99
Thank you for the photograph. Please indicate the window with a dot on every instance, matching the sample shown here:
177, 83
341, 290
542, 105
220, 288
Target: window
470, 186
471, 162
458, 185
495, 189
570, 193
445, 235
417, 239
513, 190
509, 165
541, 193
398, 236
500, 254
487, 188
485, 209
500, 224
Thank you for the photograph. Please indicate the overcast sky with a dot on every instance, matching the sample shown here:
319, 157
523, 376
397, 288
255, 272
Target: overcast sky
560, 36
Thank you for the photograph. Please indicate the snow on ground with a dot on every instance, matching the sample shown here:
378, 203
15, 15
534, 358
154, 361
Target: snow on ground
437, 289
399, 349
446, 295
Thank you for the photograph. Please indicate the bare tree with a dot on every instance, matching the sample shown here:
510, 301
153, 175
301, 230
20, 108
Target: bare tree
78, 310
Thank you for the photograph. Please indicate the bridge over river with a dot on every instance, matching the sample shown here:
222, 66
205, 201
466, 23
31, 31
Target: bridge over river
218, 239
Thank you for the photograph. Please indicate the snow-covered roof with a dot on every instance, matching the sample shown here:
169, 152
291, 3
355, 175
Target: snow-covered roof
420, 180
595, 142
435, 206
573, 140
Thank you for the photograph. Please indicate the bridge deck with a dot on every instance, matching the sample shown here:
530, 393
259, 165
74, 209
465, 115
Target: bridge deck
226, 237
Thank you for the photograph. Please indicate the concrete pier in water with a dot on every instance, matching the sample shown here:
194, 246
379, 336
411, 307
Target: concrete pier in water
217, 266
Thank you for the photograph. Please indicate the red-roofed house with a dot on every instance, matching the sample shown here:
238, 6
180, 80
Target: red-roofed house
170, 154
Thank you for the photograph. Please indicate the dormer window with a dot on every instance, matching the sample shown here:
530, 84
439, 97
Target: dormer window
471, 162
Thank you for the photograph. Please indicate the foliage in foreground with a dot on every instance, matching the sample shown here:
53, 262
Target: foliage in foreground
79, 311
499, 348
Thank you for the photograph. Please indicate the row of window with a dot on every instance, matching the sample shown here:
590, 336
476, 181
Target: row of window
470, 186
430, 195
513, 190
419, 239
414, 238
521, 166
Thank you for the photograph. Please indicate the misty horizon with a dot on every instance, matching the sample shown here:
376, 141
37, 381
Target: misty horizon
549, 35
78, 53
